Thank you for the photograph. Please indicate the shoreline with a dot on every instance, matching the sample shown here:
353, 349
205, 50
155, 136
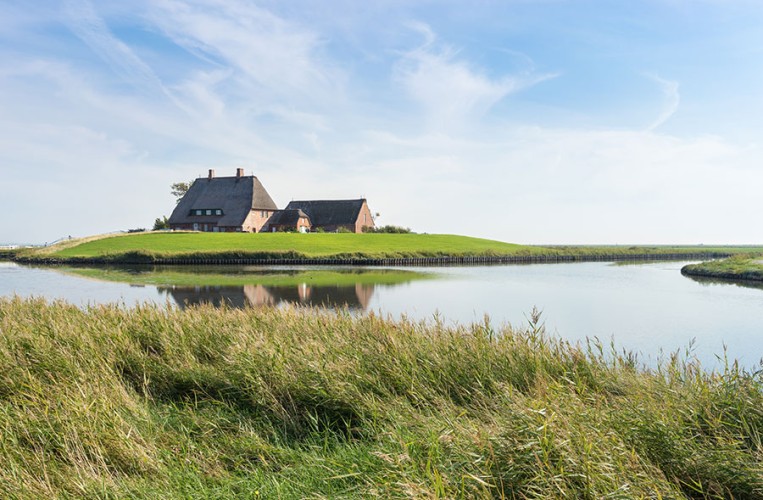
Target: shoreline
290, 260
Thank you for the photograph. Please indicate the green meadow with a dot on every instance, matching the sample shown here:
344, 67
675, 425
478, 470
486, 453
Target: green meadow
308, 245
153, 246
738, 267
154, 402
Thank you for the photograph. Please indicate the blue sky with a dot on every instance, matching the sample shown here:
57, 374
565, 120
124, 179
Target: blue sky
544, 121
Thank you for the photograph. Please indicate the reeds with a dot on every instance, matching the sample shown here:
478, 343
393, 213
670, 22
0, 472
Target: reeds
151, 401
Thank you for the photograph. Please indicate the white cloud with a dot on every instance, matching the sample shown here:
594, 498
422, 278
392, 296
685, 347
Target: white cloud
672, 100
449, 88
85, 22
281, 57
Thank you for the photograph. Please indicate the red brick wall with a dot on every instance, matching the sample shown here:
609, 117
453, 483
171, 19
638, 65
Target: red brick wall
364, 219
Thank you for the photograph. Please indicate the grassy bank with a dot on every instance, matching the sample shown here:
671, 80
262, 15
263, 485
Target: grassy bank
207, 403
154, 247
738, 267
8, 253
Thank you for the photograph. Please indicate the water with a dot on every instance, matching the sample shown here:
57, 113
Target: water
647, 308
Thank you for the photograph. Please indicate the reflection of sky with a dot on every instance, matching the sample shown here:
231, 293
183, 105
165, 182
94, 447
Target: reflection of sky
36, 282
644, 307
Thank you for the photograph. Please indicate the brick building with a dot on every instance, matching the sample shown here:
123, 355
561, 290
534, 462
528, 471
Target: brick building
241, 204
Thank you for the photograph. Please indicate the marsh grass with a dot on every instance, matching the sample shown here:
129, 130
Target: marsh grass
737, 267
154, 402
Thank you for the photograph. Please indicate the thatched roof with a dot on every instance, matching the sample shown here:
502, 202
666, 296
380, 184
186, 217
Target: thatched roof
329, 212
236, 196
286, 217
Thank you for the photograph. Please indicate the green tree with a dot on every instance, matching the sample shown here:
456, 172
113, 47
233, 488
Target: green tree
179, 189
161, 223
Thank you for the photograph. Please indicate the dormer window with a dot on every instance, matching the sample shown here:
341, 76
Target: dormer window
206, 211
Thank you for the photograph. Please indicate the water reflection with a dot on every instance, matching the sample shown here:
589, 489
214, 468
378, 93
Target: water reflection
706, 281
353, 297
248, 286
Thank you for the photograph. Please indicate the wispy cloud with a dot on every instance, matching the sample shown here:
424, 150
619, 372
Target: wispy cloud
280, 56
447, 86
671, 99
85, 22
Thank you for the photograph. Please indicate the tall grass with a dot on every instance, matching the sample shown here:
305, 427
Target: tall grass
155, 402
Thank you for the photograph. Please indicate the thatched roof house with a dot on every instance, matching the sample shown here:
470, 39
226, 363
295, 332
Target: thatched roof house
238, 203
241, 203
330, 215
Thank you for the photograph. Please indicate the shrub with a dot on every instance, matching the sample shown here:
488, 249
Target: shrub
387, 229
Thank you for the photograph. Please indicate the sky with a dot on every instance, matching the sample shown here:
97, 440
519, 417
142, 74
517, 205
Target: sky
526, 121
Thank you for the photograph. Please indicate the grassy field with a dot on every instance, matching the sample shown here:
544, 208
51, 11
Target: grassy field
270, 403
147, 247
738, 267
223, 276
309, 245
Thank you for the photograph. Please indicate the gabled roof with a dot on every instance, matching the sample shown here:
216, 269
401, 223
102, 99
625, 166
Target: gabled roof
286, 217
329, 212
236, 196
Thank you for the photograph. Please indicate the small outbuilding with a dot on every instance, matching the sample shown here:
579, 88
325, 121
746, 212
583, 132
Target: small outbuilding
289, 220
331, 215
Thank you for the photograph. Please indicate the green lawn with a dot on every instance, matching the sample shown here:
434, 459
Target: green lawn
152, 247
308, 245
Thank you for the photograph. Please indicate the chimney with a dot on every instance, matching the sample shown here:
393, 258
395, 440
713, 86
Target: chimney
211, 174
239, 172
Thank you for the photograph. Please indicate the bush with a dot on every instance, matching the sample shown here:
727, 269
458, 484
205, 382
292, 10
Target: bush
161, 223
387, 229
342, 229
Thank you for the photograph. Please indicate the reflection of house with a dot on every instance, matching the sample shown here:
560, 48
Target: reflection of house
233, 296
356, 296
224, 204
241, 203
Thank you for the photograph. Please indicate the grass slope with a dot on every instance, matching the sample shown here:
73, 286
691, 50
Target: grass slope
738, 267
308, 245
270, 403
147, 247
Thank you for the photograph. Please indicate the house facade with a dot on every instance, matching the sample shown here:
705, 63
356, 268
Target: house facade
224, 204
331, 215
241, 204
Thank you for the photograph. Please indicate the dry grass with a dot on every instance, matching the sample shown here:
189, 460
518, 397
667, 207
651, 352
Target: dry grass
152, 402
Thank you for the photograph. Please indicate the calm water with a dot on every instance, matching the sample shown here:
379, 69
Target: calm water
649, 308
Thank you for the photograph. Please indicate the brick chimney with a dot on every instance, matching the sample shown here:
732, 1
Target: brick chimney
211, 174
239, 172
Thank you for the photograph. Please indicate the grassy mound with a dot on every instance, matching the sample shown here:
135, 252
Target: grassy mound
218, 403
154, 247
738, 267
291, 244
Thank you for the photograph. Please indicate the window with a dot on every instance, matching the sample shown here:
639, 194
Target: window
209, 212
264, 213
218, 212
